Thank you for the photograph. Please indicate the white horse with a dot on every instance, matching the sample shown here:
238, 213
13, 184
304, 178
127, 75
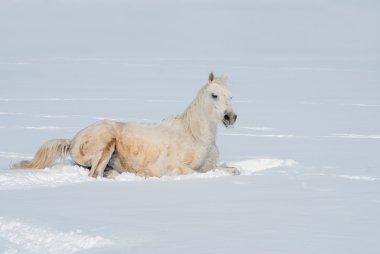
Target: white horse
183, 144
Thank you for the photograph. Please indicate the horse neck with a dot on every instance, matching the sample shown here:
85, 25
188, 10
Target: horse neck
197, 122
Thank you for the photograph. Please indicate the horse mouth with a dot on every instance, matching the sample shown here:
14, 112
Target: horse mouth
229, 119
226, 123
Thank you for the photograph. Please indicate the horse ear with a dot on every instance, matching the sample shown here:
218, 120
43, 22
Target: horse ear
210, 77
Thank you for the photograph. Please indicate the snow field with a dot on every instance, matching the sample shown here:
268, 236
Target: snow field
305, 83
28, 238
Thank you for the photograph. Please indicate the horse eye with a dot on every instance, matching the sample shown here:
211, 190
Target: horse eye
214, 96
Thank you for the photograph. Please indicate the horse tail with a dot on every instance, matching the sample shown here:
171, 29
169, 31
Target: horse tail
48, 153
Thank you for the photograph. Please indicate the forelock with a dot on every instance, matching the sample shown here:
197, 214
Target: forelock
222, 80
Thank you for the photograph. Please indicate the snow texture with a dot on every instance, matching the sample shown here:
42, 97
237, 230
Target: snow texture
65, 174
27, 238
305, 79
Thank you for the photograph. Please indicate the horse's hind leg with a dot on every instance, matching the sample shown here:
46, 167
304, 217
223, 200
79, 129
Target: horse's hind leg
111, 173
113, 168
101, 159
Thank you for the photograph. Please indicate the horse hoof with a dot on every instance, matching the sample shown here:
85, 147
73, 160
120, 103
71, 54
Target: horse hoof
232, 171
111, 174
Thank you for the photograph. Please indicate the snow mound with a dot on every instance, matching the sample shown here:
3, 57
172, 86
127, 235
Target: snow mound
27, 238
68, 174
248, 167
50, 177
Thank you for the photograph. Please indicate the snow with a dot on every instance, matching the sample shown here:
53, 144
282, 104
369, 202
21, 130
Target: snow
27, 238
352, 135
305, 82
67, 174
364, 178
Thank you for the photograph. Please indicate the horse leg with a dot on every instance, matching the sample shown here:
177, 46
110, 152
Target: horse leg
183, 170
101, 160
113, 168
230, 170
93, 146
111, 173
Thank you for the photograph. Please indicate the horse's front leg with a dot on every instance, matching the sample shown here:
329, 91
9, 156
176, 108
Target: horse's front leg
230, 170
183, 170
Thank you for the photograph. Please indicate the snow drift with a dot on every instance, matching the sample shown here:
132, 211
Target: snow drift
68, 174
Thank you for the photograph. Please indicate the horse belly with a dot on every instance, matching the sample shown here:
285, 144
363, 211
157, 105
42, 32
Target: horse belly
140, 157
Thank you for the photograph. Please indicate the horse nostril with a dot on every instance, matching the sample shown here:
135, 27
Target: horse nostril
226, 117
235, 117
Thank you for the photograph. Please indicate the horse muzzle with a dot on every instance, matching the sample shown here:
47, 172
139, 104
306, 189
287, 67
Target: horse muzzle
229, 119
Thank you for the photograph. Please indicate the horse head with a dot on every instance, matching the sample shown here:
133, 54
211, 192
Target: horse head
218, 101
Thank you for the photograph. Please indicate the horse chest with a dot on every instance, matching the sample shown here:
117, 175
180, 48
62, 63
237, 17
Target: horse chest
195, 157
